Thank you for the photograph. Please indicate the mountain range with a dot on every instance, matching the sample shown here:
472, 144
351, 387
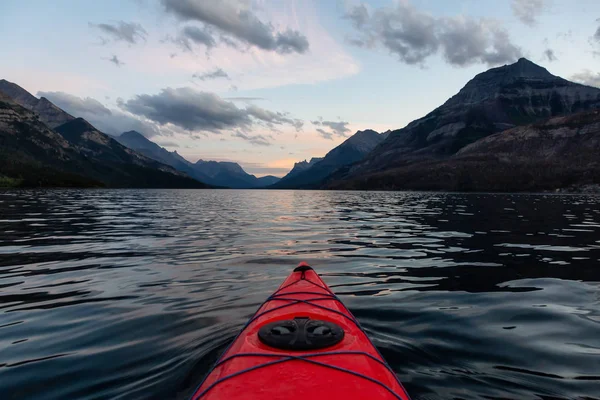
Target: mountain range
217, 173
512, 128
428, 153
41, 145
311, 175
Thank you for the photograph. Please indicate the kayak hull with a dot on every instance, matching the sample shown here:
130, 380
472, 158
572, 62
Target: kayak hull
349, 369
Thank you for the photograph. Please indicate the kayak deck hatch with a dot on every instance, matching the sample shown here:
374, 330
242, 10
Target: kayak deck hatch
302, 343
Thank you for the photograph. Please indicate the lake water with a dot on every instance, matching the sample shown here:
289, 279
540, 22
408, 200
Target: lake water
132, 294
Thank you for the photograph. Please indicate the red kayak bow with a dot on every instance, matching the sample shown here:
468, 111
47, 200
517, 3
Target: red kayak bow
302, 343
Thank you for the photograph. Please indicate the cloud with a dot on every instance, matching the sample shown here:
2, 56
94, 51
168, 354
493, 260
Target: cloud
528, 10
122, 31
549, 55
291, 41
338, 128
413, 36
466, 41
74, 105
166, 143
189, 109
202, 111
106, 120
596, 36
115, 60
258, 140
587, 77
235, 21
215, 74
324, 134
191, 35
359, 15
273, 118
244, 99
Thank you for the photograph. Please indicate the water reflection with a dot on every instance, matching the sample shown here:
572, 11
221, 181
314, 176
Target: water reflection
132, 294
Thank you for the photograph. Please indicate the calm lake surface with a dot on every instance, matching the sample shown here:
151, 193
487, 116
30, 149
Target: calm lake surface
132, 294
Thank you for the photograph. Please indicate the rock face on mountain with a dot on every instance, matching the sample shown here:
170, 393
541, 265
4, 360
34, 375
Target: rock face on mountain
75, 154
300, 167
493, 101
48, 113
31, 154
223, 174
560, 153
99, 146
138, 142
350, 151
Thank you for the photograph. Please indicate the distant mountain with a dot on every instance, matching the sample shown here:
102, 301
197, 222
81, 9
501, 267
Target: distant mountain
223, 174
50, 114
73, 154
138, 142
493, 101
300, 167
230, 174
268, 180
560, 153
350, 151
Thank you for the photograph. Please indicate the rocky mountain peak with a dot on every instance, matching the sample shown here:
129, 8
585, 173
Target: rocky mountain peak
507, 73
80, 125
48, 112
133, 134
511, 77
364, 141
18, 94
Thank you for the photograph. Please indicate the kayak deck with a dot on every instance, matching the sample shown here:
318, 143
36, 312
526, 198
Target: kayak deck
350, 369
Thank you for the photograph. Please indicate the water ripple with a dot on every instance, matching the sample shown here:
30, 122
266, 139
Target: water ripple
132, 294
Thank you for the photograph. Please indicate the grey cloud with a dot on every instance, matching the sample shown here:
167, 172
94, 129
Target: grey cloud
226, 40
408, 33
272, 117
413, 36
291, 41
258, 140
339, 128
245, 99
201, 111
192, 35
466, 41
324, 134
121, 122
215, 74
76, 106
167, 144
528, 10
189, 109
234, 21
359, 15
104, 119
587, 77
115, 60
596, 36
549, 55
122, 31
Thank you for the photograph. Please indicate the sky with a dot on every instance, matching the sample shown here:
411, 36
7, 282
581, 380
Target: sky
269, 83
